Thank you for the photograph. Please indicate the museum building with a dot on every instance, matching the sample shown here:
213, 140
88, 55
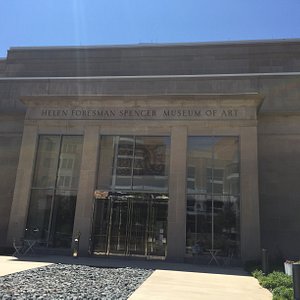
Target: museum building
167, 151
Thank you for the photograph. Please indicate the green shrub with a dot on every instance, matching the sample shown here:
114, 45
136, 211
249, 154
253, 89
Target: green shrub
257, 274
280, 284
276, 279
283, 293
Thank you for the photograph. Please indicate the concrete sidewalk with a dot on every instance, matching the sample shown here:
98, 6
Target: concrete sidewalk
11, 264
175, 285
168, 281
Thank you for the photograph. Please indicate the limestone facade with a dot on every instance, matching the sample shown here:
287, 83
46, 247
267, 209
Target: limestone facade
249, 90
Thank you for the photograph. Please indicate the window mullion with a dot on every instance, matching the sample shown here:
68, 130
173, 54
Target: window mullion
133, 160
54, 190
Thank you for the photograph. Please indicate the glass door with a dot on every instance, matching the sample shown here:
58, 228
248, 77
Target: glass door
117, 235
137, 227
157, 235
130, 224
101, 225
133, 172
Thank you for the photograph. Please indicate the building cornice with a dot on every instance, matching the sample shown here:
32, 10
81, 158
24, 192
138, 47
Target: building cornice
197, 76
161, 45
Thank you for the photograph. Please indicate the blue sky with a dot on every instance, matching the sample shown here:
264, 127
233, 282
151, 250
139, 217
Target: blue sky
102, 22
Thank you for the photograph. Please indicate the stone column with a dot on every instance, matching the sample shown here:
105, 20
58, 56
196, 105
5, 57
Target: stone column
21, 198
177, 195
86, 187
250, 221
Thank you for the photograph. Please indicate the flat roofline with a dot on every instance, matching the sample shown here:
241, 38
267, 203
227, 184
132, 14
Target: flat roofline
118, 77
158, 45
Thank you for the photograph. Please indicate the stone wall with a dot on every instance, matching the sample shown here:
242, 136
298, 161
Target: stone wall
11, 128
279, 172
180, 59
278, 119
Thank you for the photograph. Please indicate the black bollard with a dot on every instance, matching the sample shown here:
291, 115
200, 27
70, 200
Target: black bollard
296, 280
265, 261
76, 245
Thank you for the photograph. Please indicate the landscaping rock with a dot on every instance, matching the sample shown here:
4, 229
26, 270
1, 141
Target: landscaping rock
60, 281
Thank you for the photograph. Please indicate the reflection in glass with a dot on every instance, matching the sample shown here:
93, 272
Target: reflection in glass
213, 196
46, 161
53, 196
106, 162
123, 161
39, 215
69, 162
150, 170
139, 163
62, 219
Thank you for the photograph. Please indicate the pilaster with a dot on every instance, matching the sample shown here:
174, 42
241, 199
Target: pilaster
177, 195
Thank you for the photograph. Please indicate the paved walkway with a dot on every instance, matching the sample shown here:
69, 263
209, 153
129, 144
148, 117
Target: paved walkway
11, 264
165, 285
168, 281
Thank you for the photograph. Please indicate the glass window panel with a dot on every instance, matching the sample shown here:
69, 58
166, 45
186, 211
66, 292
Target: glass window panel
198, 185
115, 164
218, 174
151, 163
198, 225
46, 162
125, 146
213, 194
199, 160
58, 162
106, 161
226, 159
216, 187
39, 214
70, 160
63, 219
128, 162
155, 184
122, 183
124, 166
123, 163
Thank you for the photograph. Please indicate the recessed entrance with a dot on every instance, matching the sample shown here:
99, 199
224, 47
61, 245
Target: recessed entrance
131, 224
131, 217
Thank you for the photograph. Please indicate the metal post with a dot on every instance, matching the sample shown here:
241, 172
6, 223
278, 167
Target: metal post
76, 245
296, 280
265, 261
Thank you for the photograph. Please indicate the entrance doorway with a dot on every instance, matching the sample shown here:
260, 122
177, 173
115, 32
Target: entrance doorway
131, 224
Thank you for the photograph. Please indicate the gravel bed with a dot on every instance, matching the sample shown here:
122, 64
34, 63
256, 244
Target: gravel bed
60, 281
